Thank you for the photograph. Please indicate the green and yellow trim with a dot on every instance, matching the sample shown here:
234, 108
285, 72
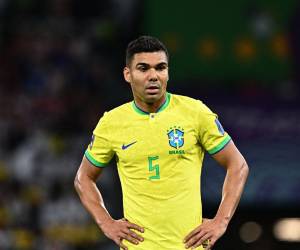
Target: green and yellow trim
138, 110
161, 108
166, 103
93, 161
219, 147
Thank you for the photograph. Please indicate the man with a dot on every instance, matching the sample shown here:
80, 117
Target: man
159, 140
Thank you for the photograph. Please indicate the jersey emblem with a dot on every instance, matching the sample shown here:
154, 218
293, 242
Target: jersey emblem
220, 128
176, 137
128, 145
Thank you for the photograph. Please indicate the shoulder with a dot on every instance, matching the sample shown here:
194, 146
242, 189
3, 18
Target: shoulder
118, 112
113, 116
190, 104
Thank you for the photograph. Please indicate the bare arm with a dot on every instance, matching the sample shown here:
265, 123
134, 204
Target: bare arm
91, 198
237, 171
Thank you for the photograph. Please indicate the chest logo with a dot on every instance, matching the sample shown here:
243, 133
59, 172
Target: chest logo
176, 137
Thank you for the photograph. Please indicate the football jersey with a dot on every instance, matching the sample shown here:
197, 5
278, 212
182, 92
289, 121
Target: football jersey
159, 159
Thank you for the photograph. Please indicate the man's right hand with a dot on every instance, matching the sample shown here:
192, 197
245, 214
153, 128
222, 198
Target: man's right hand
117, 230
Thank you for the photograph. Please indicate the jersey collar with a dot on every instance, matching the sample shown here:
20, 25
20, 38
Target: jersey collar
161, 108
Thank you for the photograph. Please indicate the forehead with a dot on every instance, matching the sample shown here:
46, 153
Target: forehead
151, 58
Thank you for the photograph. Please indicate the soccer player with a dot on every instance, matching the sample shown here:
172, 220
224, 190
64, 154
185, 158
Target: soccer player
159, 141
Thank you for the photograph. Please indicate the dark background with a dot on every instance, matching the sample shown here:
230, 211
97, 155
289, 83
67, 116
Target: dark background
61, 67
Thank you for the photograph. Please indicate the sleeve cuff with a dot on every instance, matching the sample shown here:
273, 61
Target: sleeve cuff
219, 147
93, 161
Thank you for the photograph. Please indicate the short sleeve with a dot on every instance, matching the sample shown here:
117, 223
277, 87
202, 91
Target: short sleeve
212, 136
99, 152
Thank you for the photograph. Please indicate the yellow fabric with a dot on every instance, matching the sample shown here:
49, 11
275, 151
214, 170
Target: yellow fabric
160, 182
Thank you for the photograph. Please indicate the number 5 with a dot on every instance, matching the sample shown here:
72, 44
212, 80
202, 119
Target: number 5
152, 168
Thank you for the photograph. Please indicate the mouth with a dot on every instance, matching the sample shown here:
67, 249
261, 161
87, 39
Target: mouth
152, 89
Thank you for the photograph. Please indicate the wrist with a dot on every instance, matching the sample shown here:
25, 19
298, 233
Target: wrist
223, 220
104, 222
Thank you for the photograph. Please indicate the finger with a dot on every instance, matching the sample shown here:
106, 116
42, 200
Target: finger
191, 237
134, 235
191, 234
122, 245
203, 240
129, 238
119, 242
192, 241
127, 230
136, 227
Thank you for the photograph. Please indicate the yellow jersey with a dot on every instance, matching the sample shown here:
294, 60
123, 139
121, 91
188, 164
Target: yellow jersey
159, 158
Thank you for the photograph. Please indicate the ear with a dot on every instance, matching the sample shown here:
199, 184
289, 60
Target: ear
126, 74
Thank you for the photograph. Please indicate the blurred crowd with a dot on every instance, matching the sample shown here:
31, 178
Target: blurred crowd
57, 66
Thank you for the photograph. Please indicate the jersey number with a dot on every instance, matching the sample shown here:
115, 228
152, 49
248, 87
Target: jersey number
153, 168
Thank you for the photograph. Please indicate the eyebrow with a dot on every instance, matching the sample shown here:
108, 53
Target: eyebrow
157, 65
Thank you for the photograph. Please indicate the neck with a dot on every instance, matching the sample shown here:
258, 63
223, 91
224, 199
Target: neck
150, 107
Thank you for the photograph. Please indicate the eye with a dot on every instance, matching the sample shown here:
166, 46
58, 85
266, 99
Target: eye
143, 68
161, 67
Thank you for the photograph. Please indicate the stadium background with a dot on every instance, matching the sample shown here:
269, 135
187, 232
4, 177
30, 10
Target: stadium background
61, 67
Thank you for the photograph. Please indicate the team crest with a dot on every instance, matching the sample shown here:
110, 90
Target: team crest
176, 137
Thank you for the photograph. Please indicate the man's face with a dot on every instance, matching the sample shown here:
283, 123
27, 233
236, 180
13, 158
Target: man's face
148, 76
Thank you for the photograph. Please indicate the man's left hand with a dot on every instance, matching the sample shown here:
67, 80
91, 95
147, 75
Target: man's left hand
206, 234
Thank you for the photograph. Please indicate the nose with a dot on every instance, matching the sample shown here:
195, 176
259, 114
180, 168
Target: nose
152, 75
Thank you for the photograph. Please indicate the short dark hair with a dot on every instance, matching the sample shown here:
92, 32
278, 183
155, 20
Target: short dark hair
144, 44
